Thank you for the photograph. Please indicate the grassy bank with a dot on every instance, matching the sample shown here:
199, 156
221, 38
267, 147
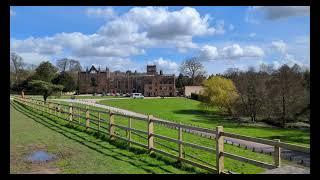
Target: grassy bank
77, 151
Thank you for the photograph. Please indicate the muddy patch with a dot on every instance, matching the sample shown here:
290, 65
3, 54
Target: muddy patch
40, 162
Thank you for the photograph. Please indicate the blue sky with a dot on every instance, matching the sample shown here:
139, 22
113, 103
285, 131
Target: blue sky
128, 38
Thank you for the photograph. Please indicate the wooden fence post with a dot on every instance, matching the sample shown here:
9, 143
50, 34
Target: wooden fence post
219, 149
150, 134
70, 113
99, 122
129, 131
111, 125
79, 115
43, 107
180, 144
87, 118
59, 113
277, 154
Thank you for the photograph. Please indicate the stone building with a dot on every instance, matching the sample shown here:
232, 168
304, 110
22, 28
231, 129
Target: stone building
192, 89
150, 83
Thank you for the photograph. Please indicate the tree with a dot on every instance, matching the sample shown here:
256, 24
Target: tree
16, 66
286, 91
45, 72
192, 67
250, 87
68, 65
72, 67
221, 92
65, 79
94, 84
45, 88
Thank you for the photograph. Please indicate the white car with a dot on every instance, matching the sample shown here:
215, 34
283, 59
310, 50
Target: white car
137, 96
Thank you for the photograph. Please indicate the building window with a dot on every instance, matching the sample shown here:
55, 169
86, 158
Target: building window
170, 88
150, 87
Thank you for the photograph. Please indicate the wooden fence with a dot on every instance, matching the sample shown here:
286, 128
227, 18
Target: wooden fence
73, 116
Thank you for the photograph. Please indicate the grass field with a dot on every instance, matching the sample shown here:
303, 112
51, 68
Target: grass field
77, 151
201, 156
188, 112
230, 164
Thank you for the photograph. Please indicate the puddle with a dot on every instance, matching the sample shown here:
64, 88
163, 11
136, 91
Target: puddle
40, 156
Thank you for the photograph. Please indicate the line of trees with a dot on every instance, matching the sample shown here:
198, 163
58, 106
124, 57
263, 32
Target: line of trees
276, 96
45, 79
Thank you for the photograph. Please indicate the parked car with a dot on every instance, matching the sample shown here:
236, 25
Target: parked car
117, 94
137, 96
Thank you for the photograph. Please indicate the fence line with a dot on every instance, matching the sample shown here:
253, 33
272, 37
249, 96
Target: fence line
71, 112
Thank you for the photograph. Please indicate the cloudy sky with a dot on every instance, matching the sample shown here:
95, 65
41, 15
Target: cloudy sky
128, 38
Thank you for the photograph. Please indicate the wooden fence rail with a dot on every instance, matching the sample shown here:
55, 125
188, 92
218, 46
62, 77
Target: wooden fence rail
72, 112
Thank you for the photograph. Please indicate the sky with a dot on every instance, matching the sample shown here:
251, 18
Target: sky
128, 38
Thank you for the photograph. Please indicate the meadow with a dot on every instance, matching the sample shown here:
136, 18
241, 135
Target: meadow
171, 109
77, 150
189, 111
191, 153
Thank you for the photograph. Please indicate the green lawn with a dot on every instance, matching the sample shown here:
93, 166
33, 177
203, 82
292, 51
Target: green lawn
77, 151
188, 112
202, 157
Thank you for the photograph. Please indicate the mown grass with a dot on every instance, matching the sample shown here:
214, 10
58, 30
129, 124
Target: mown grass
78, 150
203, 157
188, 111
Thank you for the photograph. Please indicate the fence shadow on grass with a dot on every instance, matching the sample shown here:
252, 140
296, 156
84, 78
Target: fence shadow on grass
69, 131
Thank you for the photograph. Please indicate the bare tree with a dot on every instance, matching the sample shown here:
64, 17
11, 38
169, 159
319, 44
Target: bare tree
193, 68
16, 65
287, 92
71, 66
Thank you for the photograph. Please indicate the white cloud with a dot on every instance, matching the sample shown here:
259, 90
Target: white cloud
280, 46
127, 35
208, 53
35, 45
163, 24
12, 12
280, 12
101, 12
167, 66
34, 58
252, 51
234, 51
274, 12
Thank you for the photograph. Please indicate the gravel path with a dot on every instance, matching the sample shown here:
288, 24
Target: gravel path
288, 170
295, 156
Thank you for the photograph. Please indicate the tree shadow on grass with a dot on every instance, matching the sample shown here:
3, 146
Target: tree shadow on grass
208, 117
96, 145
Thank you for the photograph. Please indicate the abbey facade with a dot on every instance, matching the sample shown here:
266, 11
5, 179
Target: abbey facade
150, 83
